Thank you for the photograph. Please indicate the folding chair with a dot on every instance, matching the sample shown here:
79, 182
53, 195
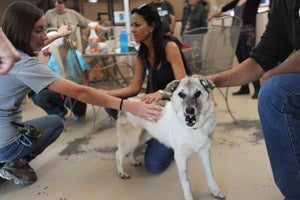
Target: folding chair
212, 49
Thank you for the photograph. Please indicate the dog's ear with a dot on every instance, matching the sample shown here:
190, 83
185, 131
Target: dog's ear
171, 87
208, 85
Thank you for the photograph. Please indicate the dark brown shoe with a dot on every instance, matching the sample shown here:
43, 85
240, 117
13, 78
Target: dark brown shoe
18, 172
241, 92
255, 95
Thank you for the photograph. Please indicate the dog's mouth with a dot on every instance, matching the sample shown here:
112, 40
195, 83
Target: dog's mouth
190, 119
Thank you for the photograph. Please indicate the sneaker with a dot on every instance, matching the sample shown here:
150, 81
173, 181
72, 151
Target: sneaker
255, 95
18, 172
241, 92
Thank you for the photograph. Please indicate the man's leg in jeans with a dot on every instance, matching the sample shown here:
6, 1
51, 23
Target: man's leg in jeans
51, 102
279, 111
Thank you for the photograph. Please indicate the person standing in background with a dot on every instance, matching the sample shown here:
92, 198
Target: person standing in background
246, 10
61, 15
206, 4
194, 16
167, 15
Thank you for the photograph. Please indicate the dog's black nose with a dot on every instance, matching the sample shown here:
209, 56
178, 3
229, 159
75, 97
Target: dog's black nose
190, 110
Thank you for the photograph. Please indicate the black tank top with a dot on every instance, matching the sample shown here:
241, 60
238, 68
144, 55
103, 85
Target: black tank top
159, 78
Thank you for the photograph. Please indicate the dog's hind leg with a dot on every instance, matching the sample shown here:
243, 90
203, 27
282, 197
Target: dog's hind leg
181, 163
119, 159
128, 141
204, 154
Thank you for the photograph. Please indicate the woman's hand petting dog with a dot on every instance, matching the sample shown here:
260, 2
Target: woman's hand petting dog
151, 97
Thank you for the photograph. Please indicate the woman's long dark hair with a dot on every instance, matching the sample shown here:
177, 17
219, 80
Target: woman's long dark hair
18, 22
152, 18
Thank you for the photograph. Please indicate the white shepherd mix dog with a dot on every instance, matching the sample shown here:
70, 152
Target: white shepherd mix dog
186, 126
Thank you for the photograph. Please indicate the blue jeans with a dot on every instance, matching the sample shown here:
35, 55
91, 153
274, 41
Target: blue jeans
157, 156
54, 103
51, 125
112, 112
279, 111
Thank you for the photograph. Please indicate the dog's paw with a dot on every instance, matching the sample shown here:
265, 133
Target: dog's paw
124, 175
218, 194
136, 163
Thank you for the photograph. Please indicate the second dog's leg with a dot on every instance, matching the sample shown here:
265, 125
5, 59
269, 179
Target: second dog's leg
204, 154
181, 163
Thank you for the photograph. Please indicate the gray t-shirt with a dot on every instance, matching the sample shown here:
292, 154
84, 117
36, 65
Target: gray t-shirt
69, 17
26, 75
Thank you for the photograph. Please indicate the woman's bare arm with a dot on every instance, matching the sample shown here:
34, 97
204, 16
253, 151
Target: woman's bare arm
93, 96
8, 54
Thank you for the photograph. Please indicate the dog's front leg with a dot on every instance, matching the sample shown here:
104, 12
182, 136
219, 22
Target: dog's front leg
204, 154
181, 163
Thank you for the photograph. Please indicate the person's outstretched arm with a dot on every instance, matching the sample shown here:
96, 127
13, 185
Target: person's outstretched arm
8, 54
150, 112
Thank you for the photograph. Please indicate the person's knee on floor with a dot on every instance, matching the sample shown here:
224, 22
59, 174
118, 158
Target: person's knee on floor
280, 125
158, 157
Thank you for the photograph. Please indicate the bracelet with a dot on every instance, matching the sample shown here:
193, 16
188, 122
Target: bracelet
121, 104
162, 93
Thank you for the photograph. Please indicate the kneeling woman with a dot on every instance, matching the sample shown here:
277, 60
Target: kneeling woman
161, 57
17, 149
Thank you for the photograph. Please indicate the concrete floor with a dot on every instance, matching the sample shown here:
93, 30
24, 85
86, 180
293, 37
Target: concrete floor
81, 163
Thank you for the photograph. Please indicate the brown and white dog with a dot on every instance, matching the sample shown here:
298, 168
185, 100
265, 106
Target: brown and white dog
186, 126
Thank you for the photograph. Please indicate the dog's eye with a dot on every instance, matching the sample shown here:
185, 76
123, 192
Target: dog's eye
197, 94
181, 94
